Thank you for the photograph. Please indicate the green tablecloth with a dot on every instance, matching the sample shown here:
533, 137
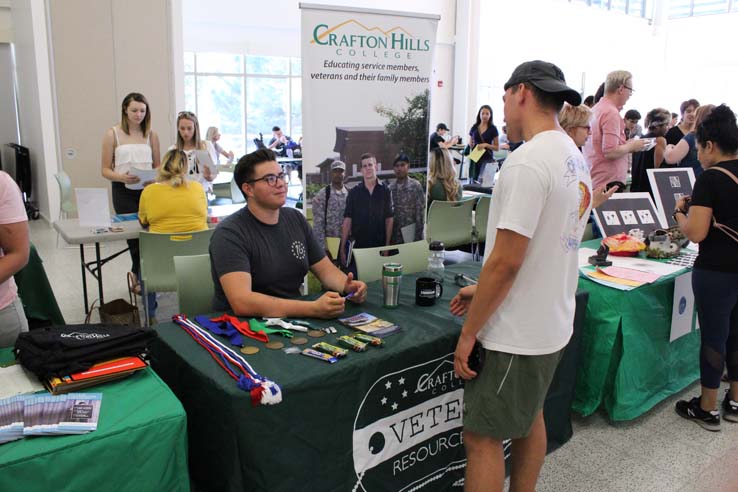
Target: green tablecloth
35, 291
140, 445
394, 413
627, 363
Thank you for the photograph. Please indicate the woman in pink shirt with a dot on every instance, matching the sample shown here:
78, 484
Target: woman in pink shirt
14, 250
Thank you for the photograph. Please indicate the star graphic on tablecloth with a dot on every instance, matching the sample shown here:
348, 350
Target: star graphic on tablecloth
394, 406
388, 385
401, 381
384, 400
404, 394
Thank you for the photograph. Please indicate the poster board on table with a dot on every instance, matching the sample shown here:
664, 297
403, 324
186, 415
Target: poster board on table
668, 186
626, 211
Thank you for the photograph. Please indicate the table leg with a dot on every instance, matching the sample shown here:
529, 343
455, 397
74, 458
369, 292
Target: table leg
84, 276
99, 272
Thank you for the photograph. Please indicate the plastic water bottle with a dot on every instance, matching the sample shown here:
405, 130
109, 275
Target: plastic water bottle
436, 256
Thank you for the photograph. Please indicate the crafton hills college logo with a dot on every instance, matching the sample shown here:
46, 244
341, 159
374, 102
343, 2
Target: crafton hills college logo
355, 35
408, 430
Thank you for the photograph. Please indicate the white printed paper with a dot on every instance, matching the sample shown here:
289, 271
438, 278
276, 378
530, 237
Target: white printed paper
144, 175
611, 217
645, 216
18, 381
408, 233
682, 310
628, 217
93, 207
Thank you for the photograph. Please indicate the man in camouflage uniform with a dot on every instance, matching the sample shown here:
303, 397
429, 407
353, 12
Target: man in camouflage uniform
409, 200
327, 222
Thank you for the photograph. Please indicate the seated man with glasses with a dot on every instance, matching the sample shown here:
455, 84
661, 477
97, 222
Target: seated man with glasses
261, 254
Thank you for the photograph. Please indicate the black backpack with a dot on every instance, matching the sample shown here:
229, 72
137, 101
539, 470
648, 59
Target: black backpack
63, 350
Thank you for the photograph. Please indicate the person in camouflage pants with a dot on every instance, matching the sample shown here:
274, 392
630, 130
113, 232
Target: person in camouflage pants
409, 200
327, 221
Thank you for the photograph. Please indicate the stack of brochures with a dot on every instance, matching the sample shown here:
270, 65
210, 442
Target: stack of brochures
97, 374
370, 324
45, 415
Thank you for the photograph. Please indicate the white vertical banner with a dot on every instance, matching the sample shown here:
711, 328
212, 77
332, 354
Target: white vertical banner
682, 311
365, 88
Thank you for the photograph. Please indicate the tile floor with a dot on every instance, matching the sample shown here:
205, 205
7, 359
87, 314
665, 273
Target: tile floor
658, 452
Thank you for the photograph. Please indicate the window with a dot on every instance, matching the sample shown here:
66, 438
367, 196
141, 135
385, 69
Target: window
689, 8
244, 95
635, 8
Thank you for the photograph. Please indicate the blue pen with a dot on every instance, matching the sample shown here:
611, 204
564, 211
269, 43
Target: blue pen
349, 295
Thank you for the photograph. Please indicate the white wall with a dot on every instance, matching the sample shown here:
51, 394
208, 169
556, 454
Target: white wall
37, 120
6, 22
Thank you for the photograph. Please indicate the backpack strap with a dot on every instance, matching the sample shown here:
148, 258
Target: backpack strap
732, 233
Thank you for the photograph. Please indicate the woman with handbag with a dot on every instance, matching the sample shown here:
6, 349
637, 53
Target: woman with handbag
130, 144
712, 221
483, 135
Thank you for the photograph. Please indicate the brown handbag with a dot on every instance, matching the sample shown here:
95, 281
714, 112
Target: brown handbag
119, 311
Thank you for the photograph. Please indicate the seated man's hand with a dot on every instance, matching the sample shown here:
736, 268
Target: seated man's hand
329, 305
355, 287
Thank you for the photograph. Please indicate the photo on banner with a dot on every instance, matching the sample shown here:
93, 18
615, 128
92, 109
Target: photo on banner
365, 89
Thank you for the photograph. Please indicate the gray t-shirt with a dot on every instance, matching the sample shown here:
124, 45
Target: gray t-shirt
277, 256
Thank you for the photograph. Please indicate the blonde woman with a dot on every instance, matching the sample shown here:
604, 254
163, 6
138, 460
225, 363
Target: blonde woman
212, 136
172, 204
442, 182
576, 122
130, 144
188, 141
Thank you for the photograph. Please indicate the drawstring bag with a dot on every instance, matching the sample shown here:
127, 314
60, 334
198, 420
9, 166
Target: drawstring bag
119, 311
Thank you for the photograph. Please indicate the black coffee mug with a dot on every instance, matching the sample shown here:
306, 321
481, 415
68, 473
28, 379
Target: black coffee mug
427, 290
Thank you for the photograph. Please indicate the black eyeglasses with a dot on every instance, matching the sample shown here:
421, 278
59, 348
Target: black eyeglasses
629, 88
271, 179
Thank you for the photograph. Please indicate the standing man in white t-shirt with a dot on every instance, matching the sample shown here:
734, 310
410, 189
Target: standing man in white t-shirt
522, 310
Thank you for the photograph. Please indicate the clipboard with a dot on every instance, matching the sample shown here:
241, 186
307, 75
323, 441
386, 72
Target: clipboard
476, 154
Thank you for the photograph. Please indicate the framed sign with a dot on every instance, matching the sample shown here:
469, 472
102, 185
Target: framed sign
626, 211
668, 186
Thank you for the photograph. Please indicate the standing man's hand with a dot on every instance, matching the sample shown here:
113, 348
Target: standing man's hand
464, 349
637, 145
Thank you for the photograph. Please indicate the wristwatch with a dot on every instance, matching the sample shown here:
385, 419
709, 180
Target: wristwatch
678, 211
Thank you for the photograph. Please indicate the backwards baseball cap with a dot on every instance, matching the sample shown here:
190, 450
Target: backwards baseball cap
442, 126
546, 77
338, 165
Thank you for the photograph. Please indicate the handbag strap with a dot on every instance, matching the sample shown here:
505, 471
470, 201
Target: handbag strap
131, 280
732, 233
89, 313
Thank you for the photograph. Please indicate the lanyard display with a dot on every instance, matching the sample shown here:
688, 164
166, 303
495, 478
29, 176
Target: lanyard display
262, 390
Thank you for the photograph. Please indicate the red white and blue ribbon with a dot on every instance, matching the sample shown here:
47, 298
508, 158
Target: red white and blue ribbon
262, 390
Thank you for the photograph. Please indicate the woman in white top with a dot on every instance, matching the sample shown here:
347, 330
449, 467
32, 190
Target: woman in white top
188, 141
212, 136
130, 144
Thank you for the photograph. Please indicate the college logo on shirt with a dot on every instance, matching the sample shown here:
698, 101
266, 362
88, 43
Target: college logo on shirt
298, 250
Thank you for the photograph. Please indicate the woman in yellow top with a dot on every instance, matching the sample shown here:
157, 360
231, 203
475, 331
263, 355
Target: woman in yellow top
172, 204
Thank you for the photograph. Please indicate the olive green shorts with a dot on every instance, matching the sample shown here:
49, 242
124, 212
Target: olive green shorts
507, 394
